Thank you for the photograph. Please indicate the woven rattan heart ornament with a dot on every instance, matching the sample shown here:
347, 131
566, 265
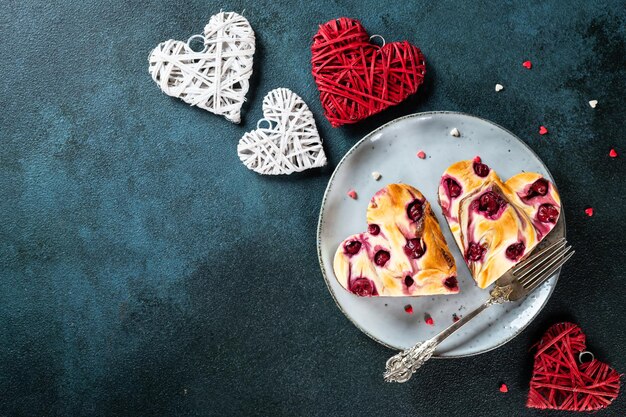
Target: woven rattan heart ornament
215, 79
357, 78
289, 144
561, 382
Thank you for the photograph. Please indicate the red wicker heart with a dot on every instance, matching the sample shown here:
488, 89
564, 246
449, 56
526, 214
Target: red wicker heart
560, 382
356, 78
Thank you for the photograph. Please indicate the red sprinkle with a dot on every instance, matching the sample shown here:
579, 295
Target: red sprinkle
613, 153
589, 211
421, 155
504, 388
477, 160
352, 194
455, 318
542, 130
408, 308
527, 64
429, 320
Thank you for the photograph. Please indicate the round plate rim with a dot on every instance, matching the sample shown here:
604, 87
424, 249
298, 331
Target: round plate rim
321, 218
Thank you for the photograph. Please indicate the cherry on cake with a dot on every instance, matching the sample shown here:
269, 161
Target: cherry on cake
495, 223
403, 252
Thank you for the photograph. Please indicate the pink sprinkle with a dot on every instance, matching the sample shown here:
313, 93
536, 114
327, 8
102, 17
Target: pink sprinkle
477, 160
408, 308
527, 64
429, 320
352, 194
421, 155
504, 388
613, 153
589, 211
542, 130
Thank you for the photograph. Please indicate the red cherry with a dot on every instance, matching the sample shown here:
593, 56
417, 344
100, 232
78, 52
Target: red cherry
542, 130
373, 229
352, 247
414, 210
538, 188
474, 252
482, 170
414, 249
547, 213
451, 283
515, 251
527, 64
453, 187
381, 257
363, 287
489, 203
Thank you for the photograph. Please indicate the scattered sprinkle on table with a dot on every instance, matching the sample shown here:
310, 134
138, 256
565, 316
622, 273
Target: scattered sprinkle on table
352, 194
527, 64
429, 320
593, 103
376, 175
408, 308
589, 211
455, 132
455, 317
543, 130
421, 155
499, 87
613, 153
504, 388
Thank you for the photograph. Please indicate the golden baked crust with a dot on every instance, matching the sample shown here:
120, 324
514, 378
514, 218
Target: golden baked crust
496, 224
417, 259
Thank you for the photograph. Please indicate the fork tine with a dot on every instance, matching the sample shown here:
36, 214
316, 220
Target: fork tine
536, 256
549, 273
535, 261
529, 279
528, 273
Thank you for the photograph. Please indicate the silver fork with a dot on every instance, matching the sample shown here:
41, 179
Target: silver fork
516, 284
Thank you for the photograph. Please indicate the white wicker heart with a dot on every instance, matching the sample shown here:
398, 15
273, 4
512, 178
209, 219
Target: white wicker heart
289, 144
215, 79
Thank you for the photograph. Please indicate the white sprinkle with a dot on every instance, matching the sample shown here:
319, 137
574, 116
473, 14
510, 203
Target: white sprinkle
455, 132
499, 87
376, 175
593, 103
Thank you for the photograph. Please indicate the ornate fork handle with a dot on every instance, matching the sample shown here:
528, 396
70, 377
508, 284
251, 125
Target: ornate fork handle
401, 367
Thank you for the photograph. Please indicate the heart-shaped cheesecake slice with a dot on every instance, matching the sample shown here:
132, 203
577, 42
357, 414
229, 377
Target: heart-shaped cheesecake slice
496, 224
403, 253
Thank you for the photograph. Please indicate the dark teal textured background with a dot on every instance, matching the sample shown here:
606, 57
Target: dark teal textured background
145, 271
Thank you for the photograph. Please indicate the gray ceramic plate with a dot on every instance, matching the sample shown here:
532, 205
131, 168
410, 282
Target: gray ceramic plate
391, 150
